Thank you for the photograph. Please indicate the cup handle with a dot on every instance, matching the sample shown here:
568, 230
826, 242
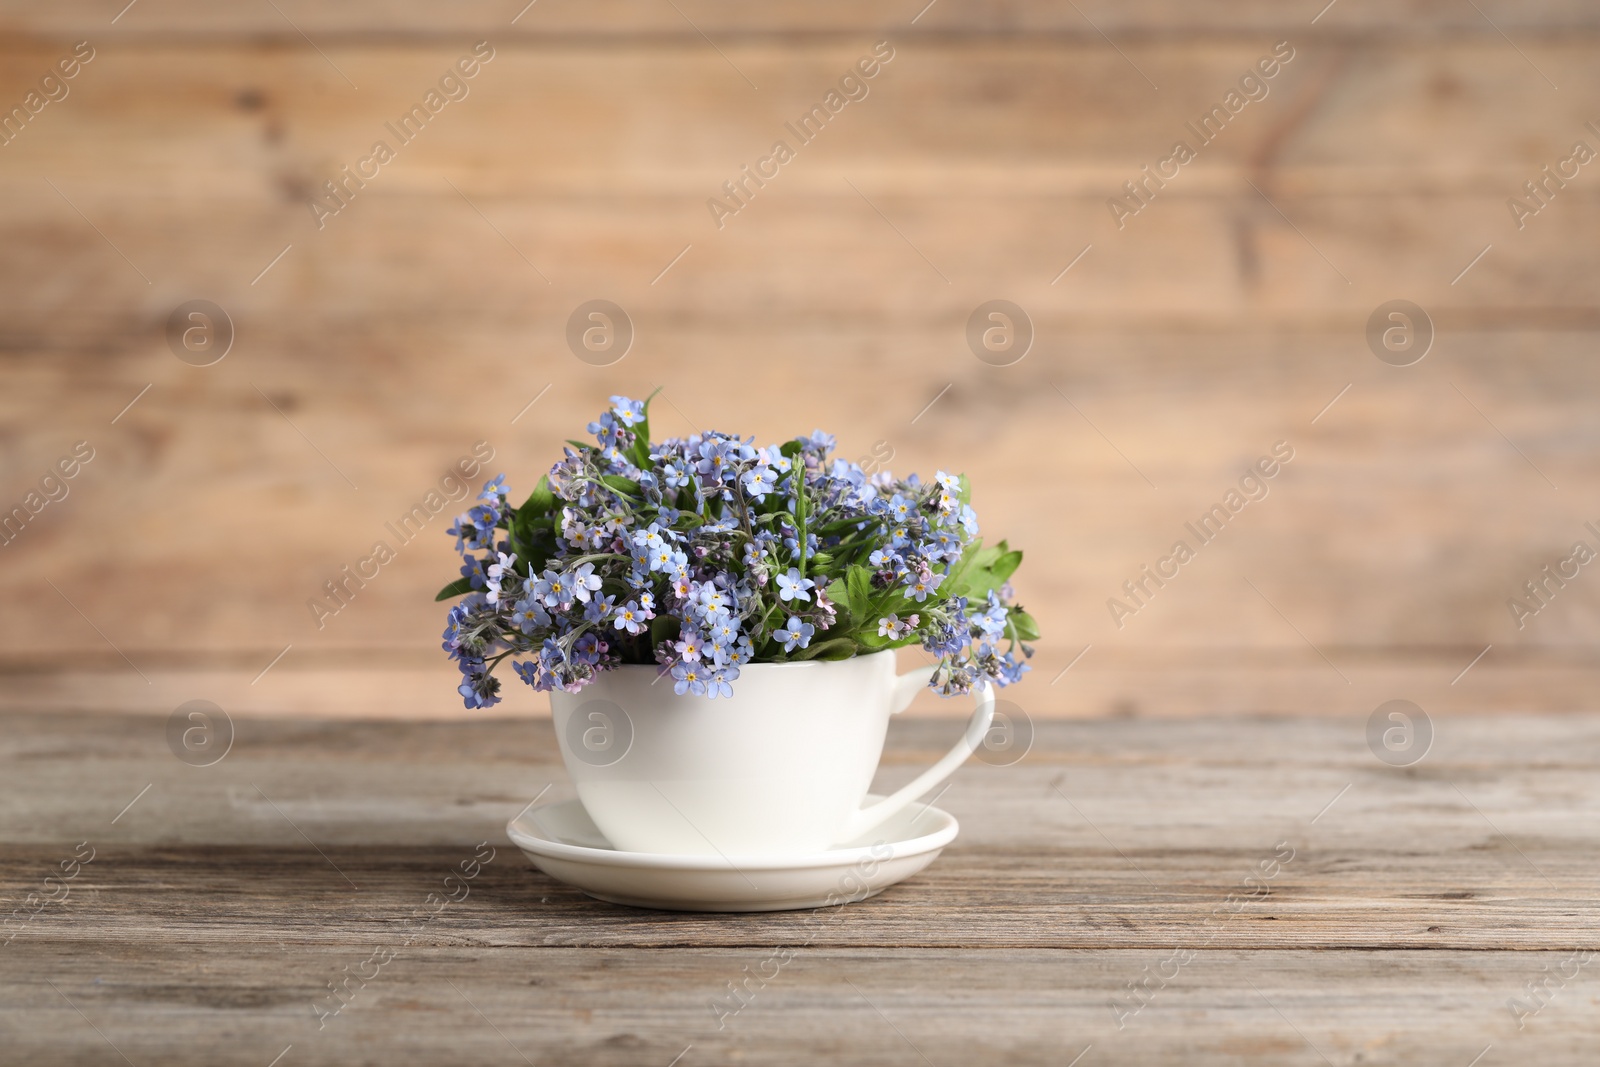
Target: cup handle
906, 688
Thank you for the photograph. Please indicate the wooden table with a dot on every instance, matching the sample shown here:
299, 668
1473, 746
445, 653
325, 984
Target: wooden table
1140, 891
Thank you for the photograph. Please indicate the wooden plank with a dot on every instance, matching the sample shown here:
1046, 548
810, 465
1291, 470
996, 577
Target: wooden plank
244, 1004
405, 19
1077, 896
1475, 743
1220, 268
1002, 192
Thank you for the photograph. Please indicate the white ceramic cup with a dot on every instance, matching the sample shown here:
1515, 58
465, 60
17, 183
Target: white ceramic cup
779, 768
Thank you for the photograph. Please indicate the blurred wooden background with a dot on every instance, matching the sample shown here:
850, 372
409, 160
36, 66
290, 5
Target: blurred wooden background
427, 314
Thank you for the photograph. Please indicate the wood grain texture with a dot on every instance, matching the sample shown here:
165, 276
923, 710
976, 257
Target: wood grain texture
431, 310
215, 912
379, 20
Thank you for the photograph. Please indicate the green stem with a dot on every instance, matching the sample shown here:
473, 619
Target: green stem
799, 475
744, 511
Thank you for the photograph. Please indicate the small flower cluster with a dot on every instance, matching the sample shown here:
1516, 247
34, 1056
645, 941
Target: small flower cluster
704, 553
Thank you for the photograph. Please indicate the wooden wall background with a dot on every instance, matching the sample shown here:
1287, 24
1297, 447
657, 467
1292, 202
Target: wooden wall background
427, 314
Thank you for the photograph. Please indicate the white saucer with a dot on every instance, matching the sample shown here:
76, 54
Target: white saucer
563, 842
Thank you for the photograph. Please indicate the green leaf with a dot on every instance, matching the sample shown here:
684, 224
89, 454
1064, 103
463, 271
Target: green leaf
858, 589
954, 582
663, 628
533, 528
985, 558
978, 585
792, 448
1023, 625
459, 587
541, 501
1004, 567
625, 486
837, 526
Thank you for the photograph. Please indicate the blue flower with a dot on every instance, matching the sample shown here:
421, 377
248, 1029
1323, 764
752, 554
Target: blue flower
630, 617
944, 639
712, 599
479, 689
628, 412
589, 648
689, 644
991, 623
528, 615
792, 544
760, 481
474, 531
793, 587
472, 570
689, 679
774, 456
529, 672
595, 610
554, 589
673, 476
585, 582
795, 632
607, 431
718, 685
1011, 669
947, 545
713, 458
886, 559
921, 585
495, 491
453, 625
723, 631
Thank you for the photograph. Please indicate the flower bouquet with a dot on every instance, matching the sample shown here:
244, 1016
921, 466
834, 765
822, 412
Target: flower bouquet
705, 553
